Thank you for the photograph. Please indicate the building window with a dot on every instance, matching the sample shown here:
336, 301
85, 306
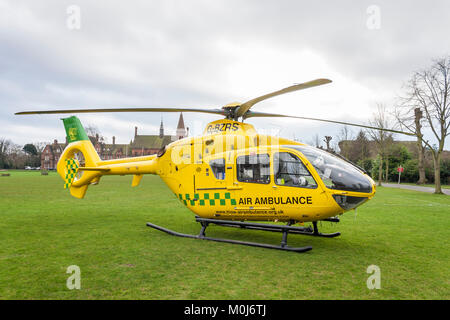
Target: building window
288, 170
218, 168
253, 168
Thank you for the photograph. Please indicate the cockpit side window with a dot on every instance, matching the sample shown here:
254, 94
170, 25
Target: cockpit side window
218, 168
289, 170
253, 168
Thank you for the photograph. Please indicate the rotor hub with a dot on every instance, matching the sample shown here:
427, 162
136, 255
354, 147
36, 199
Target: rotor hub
230, 110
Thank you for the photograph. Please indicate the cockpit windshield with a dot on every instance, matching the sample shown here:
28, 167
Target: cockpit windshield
335, 172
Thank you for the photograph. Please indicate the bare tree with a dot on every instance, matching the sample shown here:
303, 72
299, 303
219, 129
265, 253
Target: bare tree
327, 141
40, 146
317, 140
429, 90
91, 130
383, 139
388, 152
94, 132
410, 117
345, 134
16, 156
418, 115
5, 144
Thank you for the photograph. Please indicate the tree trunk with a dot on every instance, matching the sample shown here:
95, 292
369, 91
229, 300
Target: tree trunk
386, 178
418, 114
437, 172
380, 171
421, 163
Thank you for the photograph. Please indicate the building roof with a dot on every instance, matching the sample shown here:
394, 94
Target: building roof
53, 147
180, 122
114, 148
151, 141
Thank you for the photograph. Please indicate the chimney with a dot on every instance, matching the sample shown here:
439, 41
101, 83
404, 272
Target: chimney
135, 132
114, 140
96, 137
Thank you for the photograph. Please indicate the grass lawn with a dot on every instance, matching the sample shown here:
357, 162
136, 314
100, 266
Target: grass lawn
44, 230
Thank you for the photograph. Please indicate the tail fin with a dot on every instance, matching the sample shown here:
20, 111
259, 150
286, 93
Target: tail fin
74, 130
79, 153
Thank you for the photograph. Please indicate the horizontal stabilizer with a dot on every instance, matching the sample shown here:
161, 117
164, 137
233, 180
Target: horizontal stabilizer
93, 169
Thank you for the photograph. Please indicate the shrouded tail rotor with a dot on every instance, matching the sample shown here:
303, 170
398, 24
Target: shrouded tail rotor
77, 163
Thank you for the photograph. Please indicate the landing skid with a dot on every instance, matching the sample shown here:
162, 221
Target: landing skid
284, 229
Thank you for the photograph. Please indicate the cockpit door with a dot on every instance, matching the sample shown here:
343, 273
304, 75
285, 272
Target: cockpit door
295, 191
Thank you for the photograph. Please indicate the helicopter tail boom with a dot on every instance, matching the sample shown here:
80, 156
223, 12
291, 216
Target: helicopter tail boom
80, 165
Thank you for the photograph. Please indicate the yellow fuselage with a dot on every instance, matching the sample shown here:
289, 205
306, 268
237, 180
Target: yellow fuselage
234, 173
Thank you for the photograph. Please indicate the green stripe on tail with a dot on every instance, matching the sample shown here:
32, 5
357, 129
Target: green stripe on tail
74, 129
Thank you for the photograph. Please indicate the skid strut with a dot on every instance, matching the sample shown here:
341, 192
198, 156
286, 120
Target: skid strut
284, 229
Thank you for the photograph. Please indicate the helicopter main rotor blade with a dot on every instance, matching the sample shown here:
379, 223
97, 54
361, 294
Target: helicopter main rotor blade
214, 111
243, 108
252, 114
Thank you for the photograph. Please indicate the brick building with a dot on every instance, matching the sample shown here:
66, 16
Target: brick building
110, 151
50, 155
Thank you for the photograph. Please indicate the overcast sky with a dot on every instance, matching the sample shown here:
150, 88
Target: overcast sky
205, 54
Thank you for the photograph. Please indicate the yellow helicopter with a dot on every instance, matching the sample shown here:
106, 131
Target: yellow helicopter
232, 176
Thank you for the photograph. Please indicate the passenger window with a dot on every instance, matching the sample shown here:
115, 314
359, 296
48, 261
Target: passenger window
218, 168
253, 168
288, 170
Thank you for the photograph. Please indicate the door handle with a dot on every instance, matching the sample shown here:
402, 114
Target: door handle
234, 187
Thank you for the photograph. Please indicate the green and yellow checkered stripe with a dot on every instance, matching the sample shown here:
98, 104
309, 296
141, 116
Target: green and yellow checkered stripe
207, 199
71, 172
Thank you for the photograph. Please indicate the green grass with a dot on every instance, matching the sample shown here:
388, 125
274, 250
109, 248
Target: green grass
44, 230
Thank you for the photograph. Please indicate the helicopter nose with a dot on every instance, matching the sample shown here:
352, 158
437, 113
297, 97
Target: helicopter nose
349, 202
374, 186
